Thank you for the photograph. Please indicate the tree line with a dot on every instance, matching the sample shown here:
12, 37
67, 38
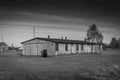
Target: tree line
115, 43
95, 36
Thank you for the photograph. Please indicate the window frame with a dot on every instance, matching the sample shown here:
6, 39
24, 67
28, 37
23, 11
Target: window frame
66, 47
77, 47
56, 47
82, 47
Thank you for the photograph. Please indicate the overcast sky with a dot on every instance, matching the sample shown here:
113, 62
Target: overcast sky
57, 18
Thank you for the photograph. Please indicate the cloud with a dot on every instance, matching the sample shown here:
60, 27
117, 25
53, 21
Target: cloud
17, 26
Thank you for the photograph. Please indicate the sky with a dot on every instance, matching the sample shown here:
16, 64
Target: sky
57, 18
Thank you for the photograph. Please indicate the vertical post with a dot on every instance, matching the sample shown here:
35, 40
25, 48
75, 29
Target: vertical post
92, 48
33, 32
101, 46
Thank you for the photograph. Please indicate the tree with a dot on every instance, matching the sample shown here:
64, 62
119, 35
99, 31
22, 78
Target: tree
93, 34
105, 46
118, 43
114, 43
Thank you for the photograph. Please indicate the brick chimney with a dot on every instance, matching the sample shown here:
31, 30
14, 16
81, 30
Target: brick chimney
48, 36
65, 37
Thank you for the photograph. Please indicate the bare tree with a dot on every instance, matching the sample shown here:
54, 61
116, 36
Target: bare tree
93, 34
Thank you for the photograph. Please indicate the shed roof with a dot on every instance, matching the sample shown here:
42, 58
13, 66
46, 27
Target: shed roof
54, 40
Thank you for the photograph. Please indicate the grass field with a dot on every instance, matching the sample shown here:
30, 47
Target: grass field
104, 66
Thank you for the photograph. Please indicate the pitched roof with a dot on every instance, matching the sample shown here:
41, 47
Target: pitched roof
54, 40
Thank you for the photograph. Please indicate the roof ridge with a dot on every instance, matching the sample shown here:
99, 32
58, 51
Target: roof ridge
57, 40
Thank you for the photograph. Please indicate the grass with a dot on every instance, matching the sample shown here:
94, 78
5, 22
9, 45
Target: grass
103, 66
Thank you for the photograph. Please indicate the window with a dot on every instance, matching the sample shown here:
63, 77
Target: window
56, 47
99, 47
66, 47
77, 47
82, 47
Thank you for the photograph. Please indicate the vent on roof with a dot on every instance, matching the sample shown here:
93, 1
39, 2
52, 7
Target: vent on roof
48, 36
65, 37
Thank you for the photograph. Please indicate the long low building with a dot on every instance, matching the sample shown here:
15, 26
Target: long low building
53, 47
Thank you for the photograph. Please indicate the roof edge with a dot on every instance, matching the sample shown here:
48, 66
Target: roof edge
51, 40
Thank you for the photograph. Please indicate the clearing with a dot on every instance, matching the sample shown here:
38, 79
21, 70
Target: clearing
13, 66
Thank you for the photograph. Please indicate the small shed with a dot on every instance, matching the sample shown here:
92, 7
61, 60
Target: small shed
36, 46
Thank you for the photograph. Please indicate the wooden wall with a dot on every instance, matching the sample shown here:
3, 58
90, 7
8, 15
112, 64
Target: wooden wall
72, 49
36, 47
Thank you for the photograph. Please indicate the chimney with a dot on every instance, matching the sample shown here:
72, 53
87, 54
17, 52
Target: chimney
85, 39
48, 36
65, 37
61, 37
